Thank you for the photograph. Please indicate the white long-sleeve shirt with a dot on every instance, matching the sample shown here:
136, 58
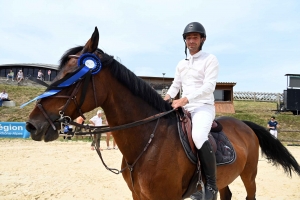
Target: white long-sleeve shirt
197, 77
3, 95
96, 120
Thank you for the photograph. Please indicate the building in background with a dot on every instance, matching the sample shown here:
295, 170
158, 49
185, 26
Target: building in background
223, 93
30, 70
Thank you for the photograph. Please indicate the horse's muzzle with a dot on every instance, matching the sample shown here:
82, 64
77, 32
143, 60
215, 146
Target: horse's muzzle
39, 132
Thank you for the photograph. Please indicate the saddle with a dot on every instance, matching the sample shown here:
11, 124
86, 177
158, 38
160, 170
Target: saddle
222, 147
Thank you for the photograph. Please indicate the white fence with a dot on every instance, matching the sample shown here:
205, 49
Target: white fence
257, 96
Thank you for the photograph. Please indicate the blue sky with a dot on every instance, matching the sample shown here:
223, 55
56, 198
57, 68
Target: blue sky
256, 42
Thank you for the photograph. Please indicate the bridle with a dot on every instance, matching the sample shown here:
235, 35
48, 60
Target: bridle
65, 120
88, 65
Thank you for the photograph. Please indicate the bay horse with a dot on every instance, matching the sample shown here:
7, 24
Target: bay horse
163, 170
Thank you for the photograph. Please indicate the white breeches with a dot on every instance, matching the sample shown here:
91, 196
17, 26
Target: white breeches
202, 118
274, 133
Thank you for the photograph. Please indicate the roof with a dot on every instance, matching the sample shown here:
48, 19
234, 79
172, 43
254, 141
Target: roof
18, 65
227, 83
292, 75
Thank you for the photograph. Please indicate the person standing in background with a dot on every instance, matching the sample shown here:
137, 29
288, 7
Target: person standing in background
40, 75
96, 121
272, 126
79, 120
108, 134
49, 74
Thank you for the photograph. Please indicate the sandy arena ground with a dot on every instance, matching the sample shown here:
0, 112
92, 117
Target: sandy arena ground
70, 170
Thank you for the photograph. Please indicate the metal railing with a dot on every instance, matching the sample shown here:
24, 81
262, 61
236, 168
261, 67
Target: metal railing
258, 96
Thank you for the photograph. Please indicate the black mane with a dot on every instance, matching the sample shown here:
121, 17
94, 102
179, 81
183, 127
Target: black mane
135, 84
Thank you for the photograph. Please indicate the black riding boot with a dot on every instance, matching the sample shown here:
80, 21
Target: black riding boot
208, 161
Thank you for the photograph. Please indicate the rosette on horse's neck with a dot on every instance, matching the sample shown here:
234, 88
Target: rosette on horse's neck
86, 62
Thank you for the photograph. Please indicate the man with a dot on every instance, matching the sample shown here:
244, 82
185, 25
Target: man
10, 75
197, 76
3, 97
96, 121
272, 126
20, 76
40, 75
108, 134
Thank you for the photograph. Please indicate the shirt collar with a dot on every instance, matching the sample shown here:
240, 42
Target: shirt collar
196, 55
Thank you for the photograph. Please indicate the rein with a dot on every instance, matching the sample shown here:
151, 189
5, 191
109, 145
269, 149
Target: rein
130, 167
105, 129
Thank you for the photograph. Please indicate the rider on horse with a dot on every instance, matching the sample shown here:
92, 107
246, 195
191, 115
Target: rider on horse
197, 76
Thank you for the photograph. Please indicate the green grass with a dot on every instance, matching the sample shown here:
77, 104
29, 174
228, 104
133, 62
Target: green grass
258, 112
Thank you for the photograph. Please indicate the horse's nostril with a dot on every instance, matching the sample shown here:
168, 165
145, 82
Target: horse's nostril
30, 128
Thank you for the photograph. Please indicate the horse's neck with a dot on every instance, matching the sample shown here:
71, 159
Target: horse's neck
127, 112
122, 108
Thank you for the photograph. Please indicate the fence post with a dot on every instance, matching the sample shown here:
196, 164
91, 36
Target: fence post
254, 96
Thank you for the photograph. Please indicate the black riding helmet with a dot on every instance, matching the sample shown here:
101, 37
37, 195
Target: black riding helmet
194, 27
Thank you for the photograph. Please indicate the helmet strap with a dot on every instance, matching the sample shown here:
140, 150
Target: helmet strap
185, 50
200, 47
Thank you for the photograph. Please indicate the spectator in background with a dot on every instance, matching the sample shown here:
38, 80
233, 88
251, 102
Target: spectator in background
10, 75
20, 76
40, 75
79, 120
272, 126
49, 73
108, 134
3, 97
96, 121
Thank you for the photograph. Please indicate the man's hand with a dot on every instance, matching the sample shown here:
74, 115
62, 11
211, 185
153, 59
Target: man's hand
167, 97
180, 102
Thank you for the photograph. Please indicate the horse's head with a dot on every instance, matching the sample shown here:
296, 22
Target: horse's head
64, 99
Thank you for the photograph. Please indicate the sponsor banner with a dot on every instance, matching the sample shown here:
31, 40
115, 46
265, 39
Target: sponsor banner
13, 130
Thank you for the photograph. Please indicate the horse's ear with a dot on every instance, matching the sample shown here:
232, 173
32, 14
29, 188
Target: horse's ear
92, 44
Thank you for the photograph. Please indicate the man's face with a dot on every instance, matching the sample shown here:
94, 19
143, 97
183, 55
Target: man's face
193, 42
